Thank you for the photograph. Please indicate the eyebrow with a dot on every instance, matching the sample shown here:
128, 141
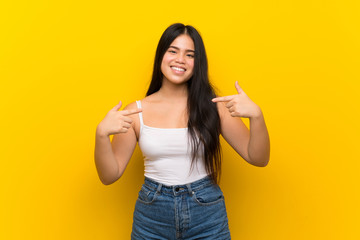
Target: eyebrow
187, 50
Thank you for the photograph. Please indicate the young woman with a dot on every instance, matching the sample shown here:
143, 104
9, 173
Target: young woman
177, 126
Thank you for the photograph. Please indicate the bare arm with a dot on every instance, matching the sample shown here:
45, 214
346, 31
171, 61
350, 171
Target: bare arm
253, 145
105, 162
259, 143
111, 158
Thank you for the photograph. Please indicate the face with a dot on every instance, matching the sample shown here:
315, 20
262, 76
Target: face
178, 62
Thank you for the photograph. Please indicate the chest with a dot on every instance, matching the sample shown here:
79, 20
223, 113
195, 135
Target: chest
165, 116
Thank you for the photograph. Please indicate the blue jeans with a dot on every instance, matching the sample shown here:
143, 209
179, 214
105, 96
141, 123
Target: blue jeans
192, 211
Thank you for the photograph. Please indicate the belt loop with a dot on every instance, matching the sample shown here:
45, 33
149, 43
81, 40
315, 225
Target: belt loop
159, 188
189, 189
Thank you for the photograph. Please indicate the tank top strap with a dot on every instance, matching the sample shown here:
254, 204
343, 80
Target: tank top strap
138, 103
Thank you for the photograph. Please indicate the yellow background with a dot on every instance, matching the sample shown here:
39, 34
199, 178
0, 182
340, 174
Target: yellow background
65, 64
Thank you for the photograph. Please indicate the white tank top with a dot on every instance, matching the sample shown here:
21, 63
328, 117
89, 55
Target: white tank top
167, 155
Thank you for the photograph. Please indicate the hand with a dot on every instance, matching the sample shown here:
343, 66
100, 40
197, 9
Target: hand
240, 105
116, 121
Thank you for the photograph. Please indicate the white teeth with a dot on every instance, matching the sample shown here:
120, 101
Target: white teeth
178, 69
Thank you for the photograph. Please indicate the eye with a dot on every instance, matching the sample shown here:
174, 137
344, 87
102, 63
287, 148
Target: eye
190, 55
172, 51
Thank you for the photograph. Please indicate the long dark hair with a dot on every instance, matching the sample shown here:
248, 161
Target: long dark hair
204, 120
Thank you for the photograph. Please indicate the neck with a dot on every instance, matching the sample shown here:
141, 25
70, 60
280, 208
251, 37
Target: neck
174, 92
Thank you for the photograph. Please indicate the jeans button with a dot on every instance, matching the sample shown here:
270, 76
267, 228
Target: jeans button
177, 189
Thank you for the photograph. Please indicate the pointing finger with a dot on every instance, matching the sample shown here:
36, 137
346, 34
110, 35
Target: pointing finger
238, 88
223, 99
130, 112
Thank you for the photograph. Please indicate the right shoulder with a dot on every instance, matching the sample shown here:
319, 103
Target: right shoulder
131, 106
135, 124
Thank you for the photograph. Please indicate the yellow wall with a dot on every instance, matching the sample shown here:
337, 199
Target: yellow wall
65, 64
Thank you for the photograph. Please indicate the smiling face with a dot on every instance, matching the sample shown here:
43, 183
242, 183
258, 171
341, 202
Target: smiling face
178, 62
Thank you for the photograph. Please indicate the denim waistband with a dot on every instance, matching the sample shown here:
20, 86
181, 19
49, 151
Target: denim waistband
178, 189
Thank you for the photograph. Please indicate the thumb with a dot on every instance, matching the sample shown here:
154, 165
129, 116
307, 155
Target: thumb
238, 88
118, 106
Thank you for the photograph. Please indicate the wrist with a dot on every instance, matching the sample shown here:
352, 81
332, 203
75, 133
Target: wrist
257, 114
100, 132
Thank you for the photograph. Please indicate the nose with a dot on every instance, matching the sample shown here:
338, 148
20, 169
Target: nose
180, 58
